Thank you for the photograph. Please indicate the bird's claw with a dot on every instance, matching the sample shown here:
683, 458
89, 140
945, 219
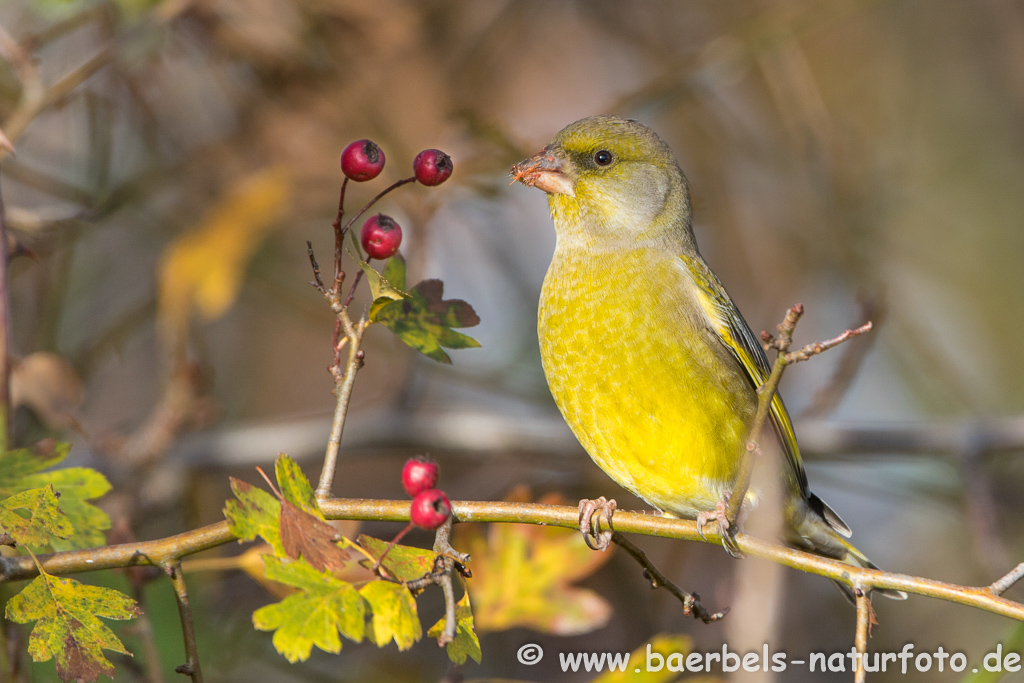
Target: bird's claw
720, 515
590, 523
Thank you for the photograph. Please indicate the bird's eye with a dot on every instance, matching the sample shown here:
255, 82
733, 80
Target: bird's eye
603, 158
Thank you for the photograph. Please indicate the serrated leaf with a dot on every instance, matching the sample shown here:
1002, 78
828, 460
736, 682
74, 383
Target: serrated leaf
424, 320
673, 648
44, 519
523, 575
394, 614
254, 513
295, 488
403, 562
22, 469
466, 643
322, 607
67, 626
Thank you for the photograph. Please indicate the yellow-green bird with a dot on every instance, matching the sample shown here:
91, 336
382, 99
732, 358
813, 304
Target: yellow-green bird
647, 357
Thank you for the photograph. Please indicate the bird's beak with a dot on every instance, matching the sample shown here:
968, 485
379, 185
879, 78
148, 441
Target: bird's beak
547, 170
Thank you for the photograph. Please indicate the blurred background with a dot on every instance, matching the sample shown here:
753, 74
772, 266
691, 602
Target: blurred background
863, 157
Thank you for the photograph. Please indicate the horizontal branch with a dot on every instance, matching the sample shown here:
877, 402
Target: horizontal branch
174, 547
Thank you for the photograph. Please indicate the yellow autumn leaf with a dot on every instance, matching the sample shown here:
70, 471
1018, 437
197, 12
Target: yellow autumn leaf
523, 576
204, 268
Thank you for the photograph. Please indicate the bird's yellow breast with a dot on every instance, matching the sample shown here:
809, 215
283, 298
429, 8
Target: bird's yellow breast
639, 377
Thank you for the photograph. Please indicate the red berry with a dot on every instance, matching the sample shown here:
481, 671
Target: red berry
362, 160
419, 474
381, 237
432, 167
430, 509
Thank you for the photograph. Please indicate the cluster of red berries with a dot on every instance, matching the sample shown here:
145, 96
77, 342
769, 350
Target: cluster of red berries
363, 160
430, 506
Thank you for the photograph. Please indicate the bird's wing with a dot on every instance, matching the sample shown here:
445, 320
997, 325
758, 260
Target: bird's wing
725, 319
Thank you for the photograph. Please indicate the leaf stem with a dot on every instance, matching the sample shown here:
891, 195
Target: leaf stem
339, 238
373, 201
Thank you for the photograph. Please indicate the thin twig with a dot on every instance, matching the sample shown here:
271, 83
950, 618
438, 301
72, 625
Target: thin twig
766, 395
5, 367
691, 601
34, 101
444, 550
191, 666
764, 402
860, 641
318, 281
451, 624
1002, 585
352, 289
343, 392
827, 398
811, 350
339, 238
143, 628
442, 542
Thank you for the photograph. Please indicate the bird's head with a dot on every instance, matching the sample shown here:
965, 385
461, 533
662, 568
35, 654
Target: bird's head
610, 181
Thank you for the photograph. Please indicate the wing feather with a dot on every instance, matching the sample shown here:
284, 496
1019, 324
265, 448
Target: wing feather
725, 319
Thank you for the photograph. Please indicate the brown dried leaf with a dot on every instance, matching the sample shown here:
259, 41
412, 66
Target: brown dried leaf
315, 540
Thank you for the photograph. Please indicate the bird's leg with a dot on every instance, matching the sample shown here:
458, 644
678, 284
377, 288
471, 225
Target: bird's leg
589, 523
720, 515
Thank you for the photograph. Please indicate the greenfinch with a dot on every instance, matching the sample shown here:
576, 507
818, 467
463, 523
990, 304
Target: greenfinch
646, 355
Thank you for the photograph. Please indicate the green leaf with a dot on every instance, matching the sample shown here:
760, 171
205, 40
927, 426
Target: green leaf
295, 488
380, 288
254, 513
22, 469
466, 643
424, 320
394, 271
403, 562
394, 614
322, 607
44, 517
67, 627
21, 462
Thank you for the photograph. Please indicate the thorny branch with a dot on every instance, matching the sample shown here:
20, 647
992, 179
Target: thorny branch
691, 601
188, 629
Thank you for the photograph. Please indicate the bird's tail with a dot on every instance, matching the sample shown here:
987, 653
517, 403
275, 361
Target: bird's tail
821, 531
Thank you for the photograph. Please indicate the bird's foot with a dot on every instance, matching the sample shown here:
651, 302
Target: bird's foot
721, 516
590, 522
